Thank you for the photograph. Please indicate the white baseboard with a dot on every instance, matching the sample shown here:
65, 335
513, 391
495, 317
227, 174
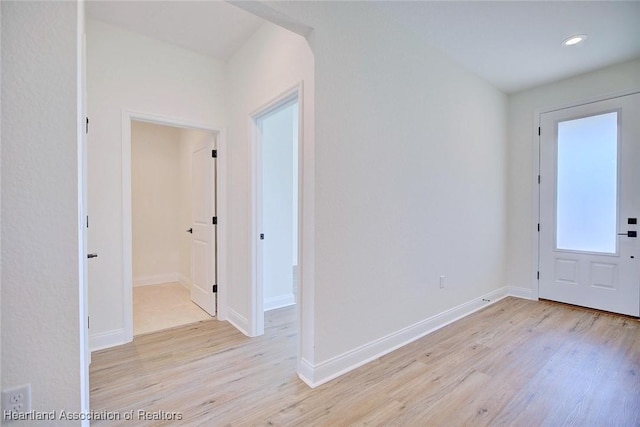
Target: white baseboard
305, 371
315, 375
279, 302
108, 339
524, 293
240, 322
156, 279
185, 281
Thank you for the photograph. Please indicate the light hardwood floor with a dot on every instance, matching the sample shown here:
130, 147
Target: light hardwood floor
515, 363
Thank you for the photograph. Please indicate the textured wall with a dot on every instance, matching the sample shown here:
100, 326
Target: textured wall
40, 279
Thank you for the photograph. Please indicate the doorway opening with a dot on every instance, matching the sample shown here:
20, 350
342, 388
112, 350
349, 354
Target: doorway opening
276, 207
589, 205
163, 198
171, 233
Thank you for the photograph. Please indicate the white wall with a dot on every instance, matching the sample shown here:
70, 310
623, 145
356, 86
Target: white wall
409, 178
522, 106
410, 184
40, 216
279, 136
129, 71
270, 63
156, 203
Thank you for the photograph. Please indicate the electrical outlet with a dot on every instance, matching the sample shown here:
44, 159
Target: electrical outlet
17, 399
441, 282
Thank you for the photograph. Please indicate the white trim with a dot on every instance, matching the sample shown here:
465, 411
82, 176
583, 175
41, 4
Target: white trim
169, 121
305, 372
127, 237
185, 281
223, 221
535, 286
315, 375
536, 207
256, 308
108, 339
305, 280
285, 99
293, 94
279, 302
239, 321
127, 232
524, 293
83, 284
590, 100
156, 279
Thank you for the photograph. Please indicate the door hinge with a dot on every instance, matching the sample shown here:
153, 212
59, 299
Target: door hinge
214, 154
88, 321
538, 227
214, 288
86, 125
539, 131
261, 236
214, 220
538, 179
87, 221
538, 275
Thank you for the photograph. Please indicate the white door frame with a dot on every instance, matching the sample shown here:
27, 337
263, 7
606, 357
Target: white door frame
256, 323
221, 196
83, 282
535, 284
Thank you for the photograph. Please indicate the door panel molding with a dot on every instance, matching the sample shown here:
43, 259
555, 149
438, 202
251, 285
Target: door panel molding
605, 280
203, 228
535, 194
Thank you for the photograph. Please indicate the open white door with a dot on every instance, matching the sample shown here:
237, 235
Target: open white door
590, 205
203, 246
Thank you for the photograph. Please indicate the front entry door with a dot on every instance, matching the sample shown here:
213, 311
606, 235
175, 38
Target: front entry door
590, 205
203, 243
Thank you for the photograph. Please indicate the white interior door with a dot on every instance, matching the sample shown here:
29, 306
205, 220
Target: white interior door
203, 246
590, 205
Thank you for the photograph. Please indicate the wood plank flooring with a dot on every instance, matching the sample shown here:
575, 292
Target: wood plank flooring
515, 363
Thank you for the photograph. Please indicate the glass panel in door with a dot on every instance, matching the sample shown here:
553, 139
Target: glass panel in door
587, 184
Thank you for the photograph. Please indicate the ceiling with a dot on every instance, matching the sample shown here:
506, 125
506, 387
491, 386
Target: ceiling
212, 28
512, 44
518, 44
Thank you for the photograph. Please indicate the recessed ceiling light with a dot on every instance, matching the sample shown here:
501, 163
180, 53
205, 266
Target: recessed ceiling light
574, 40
